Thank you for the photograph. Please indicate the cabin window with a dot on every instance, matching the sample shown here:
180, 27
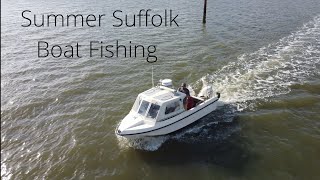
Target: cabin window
136, 104
143, 107
153, 111
172, 107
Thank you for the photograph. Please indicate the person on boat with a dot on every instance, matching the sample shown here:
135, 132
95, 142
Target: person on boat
188, 100
184, 89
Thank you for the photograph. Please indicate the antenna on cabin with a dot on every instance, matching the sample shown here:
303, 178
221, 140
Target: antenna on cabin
152, 77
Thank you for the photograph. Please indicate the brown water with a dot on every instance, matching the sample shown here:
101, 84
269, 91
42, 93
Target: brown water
58, 116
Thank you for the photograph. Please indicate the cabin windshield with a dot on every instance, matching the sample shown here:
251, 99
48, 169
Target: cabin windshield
153, 111
136, 104
143, 107
148, 109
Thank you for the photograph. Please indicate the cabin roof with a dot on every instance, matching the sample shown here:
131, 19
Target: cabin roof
162, 94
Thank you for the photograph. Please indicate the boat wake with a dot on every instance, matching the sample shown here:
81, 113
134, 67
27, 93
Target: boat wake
268, 72
271, 70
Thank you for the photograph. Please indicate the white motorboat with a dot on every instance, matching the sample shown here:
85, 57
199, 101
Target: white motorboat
160, 111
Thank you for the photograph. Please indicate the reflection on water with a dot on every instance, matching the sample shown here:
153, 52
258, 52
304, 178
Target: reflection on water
217, 142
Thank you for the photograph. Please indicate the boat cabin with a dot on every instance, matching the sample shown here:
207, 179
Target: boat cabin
159, 103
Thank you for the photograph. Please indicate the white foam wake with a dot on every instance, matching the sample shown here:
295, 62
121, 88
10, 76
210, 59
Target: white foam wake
271, 70
146, 143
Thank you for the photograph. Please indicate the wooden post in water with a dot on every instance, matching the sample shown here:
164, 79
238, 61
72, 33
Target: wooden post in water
204, 12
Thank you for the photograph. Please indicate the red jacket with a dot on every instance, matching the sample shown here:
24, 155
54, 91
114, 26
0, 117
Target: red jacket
190, 102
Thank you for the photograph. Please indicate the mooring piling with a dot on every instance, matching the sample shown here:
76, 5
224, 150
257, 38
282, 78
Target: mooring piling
204, 12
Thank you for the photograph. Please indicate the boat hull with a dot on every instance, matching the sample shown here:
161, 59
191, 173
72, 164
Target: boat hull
177, 122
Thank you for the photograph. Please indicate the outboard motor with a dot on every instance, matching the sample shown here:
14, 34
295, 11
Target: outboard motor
206, 92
